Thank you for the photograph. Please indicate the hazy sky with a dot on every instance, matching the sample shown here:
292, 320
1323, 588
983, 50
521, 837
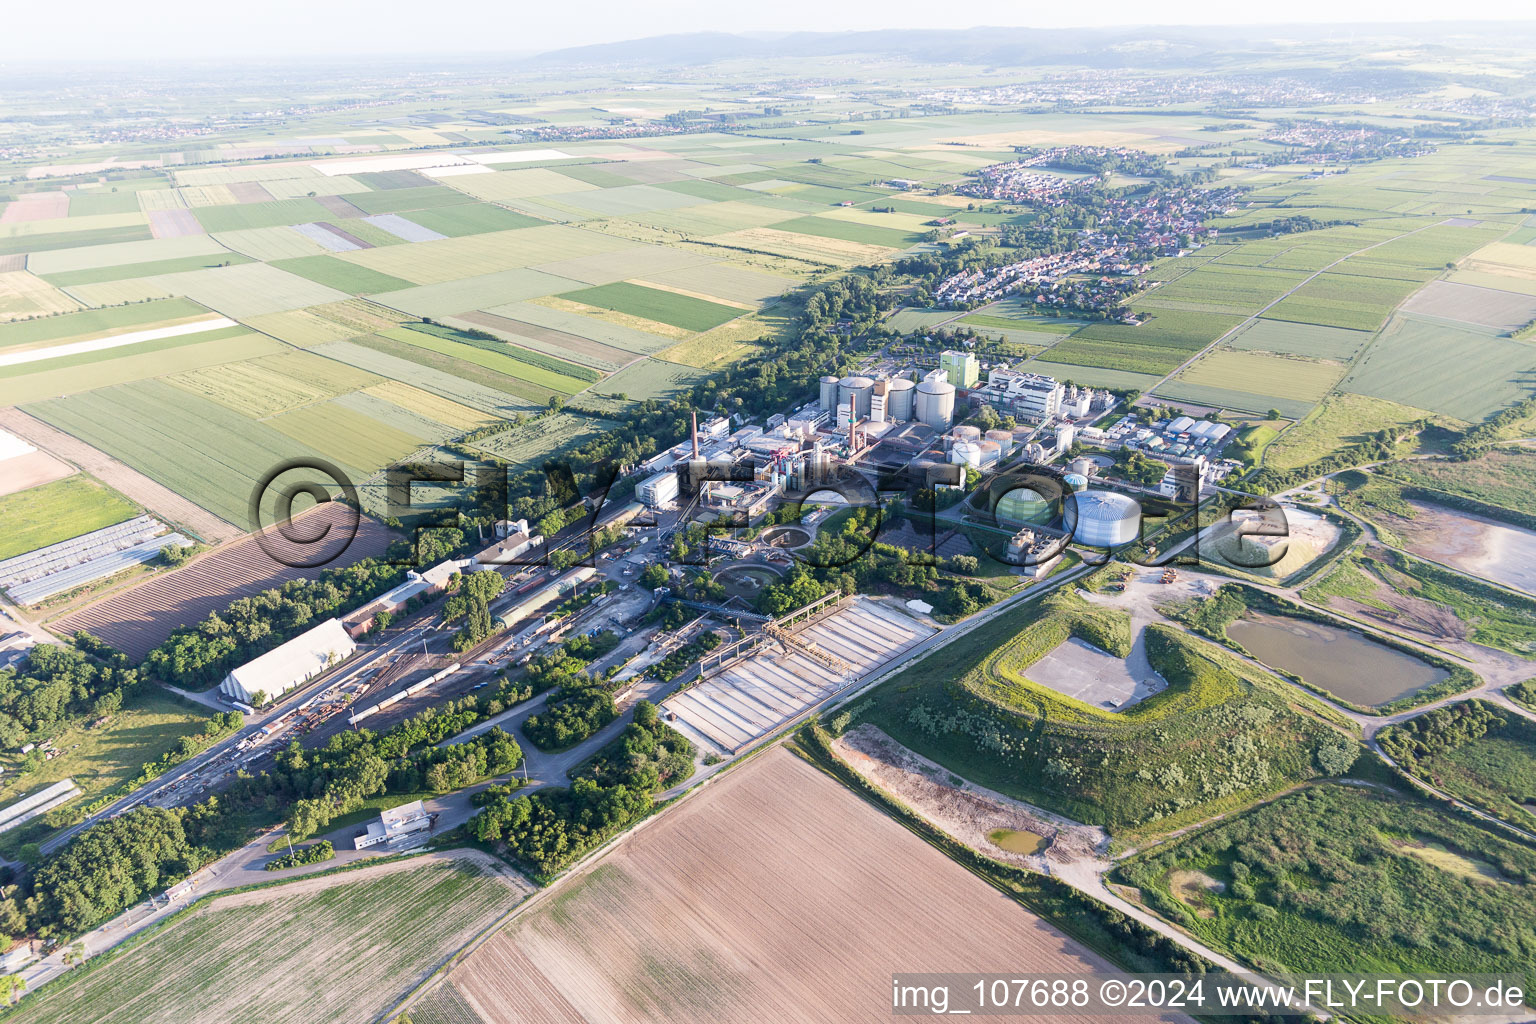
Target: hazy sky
95, 29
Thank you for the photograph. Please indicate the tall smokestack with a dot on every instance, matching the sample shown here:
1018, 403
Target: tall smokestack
695, 433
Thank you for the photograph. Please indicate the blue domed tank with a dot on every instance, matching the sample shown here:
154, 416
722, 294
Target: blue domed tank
1076, 481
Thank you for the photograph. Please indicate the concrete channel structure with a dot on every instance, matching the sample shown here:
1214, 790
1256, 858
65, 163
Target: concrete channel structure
745, 699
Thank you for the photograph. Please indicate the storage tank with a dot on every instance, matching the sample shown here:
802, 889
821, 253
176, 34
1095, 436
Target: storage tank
936, 403
1002, 438
966, 433
828, 393
1082, 465
991, 453
1076, 481
966, 453
856, 390
899, 392
1103, 519
1064, 436
1024, 506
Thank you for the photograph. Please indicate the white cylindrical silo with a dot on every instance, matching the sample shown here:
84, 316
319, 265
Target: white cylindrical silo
966, 453
856, 390
991, 453
965, 432
1103, 519
828, 393
1003, 439
936, 403
899, 393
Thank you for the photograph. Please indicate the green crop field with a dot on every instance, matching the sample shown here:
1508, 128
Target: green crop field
458, 379
260, 215
470, 219
869, 234
345, 952
683, 311
51, 512
247, 290
96, 321
1118, 355
651, 378
1294, 339
450, 259
1343, 300
1338, 875
1259, 373
101, 275
1461, 373
536, 380
531, 442
402, 200
341, 275
475, 293
1218, 738
196, 447
352, 438
1222, 289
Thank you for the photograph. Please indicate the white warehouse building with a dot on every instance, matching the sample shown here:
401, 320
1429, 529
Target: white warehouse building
295, 662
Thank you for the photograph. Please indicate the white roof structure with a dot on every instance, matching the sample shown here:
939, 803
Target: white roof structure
283, 668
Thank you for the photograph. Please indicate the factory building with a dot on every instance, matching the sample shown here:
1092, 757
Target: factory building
1031, 396
960, 368
396, 825
295, 662
879, 401
659, 490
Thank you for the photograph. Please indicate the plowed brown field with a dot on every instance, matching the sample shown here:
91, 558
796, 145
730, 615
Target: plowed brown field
137, 620
774, 895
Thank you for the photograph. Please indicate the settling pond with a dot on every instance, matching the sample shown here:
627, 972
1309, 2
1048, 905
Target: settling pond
1341, 661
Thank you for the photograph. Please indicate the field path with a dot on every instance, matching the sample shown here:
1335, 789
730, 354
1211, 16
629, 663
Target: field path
158, 499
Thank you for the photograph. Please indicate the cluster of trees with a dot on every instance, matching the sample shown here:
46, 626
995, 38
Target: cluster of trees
313, 854
197, 656
650, 755
470, 600
59, 686
1479, 436
1439, 731
579, 709
551, 828
673, 664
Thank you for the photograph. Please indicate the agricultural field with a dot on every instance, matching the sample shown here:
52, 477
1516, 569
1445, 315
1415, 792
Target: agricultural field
1500, 311
1156, 347
538, 376
1426, 892
347, 948
1216, 288
140, 618
694, 914
534, 440
1343, 300
1263, 377
51, 512
352, 438
1147, 768
272, 384
332, 321
1459, 372
196, 447
24, 295
1306, 340
667, 307
650, 378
